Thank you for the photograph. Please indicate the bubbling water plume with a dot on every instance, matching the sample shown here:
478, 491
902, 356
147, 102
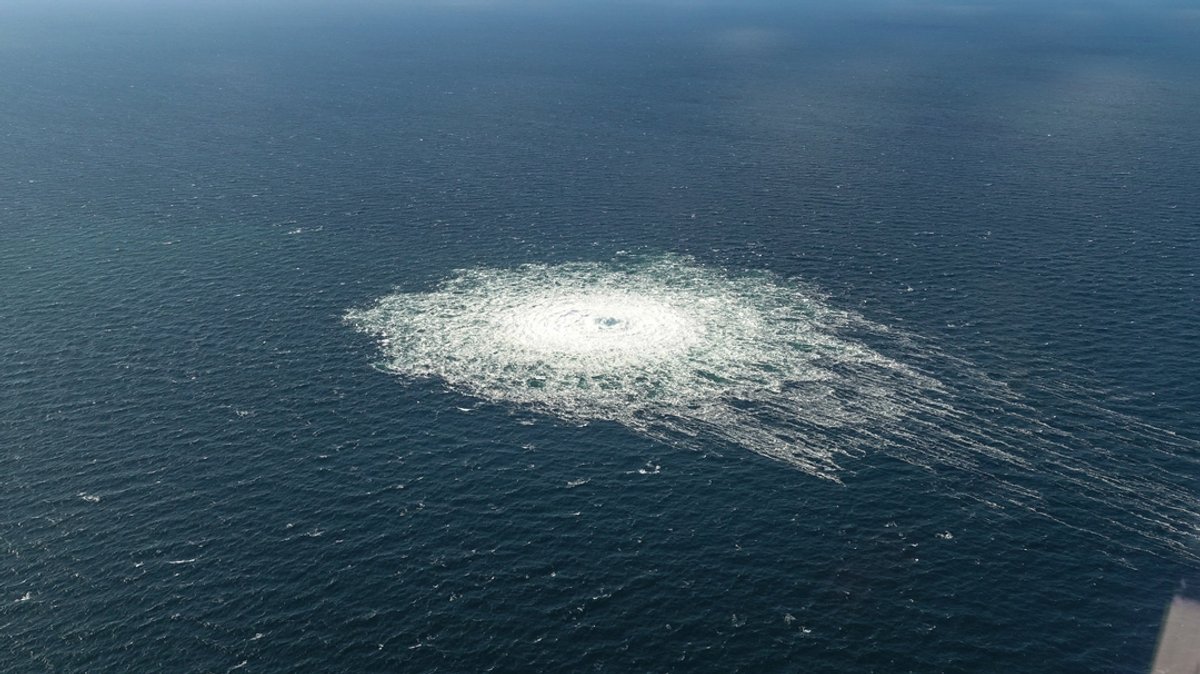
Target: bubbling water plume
693, 356
668, 348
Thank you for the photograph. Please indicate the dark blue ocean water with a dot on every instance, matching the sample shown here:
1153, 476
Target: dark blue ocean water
202, 470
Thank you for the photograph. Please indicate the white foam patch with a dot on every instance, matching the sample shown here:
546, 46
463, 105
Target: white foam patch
695, 356
662, 346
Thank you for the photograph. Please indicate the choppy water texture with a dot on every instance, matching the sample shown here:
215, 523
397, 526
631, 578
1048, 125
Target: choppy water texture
703, 358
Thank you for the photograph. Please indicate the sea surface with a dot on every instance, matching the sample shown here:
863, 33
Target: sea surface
214, 457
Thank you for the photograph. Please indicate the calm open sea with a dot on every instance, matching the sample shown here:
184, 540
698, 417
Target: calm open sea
204, 467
